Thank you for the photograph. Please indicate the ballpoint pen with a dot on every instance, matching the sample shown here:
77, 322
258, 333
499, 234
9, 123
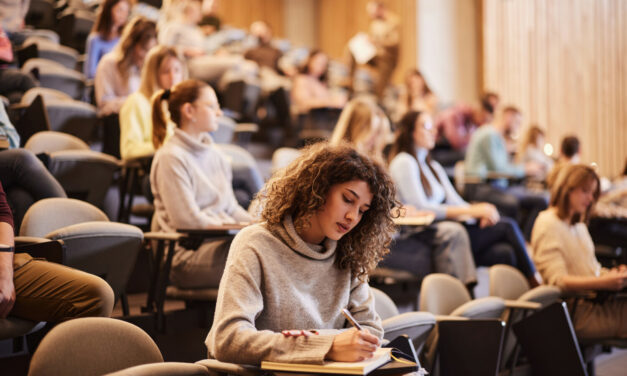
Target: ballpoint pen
351, 319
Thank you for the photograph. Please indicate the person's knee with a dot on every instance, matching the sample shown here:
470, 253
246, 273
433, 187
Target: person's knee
500, 253
100, 297
453, 232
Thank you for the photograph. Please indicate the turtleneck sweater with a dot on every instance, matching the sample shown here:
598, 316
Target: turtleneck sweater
191, 182
275, 281
405, 172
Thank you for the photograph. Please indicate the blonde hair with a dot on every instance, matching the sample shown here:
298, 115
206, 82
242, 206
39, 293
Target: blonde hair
569, 178
355, 125
300, 189
150, 71
187, 91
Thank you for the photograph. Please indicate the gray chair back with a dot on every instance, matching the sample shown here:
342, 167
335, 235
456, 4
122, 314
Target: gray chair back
56, 76
46, 49
441, 293
46, 93
383, 304
93, 346
72, 116
507, 282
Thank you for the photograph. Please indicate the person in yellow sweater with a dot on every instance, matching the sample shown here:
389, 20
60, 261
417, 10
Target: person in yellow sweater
164, 68
564, 254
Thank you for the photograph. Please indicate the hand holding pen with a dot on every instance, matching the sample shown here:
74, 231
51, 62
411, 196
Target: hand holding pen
353, 345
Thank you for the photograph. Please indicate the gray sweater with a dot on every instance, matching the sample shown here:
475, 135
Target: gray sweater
274, 281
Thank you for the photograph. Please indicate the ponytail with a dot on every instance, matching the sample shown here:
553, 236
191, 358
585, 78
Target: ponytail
185, 92
159, 121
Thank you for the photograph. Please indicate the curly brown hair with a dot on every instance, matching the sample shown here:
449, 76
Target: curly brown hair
301, 189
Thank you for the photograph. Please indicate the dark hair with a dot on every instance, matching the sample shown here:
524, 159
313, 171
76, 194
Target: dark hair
415, 72
570, 146
305, 67
137, 33
104, 20
485, 101
300, 189
185, 92
404, 142
570, 177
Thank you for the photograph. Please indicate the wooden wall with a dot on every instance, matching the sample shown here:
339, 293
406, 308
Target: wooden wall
339, 20
564, 64
241, 13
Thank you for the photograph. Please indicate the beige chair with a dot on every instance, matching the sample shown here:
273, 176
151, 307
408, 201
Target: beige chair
93, 244
83, 173
416, 325
510, 284
93, 346
47, 49
56, 76
46, 93
442, 294
164, 369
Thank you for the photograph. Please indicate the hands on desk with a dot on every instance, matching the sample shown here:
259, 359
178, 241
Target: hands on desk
615, 279
353, 346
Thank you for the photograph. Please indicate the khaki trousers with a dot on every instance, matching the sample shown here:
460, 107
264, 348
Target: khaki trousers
46, 291
605, 320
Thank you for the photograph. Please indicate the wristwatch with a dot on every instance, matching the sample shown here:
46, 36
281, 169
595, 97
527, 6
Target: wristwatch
6, 248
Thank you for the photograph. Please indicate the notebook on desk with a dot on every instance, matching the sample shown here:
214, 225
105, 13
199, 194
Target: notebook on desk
381, 356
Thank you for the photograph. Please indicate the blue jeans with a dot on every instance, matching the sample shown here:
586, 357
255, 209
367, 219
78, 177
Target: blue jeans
502, 243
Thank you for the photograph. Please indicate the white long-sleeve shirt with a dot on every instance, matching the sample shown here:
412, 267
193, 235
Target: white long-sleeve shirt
405, 172
110, 87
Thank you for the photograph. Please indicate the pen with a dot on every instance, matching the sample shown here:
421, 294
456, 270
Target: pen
351, 319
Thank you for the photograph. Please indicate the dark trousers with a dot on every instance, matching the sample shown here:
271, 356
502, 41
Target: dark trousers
514, 202
13, 84
25, 180
502, 243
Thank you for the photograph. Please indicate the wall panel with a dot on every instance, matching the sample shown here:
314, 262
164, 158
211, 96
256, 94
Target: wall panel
563, 64
241, 13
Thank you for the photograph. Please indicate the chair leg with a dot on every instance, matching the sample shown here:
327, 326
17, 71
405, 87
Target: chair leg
124, 301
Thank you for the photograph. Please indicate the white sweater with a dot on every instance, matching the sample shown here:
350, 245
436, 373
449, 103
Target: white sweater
275, 281
561, 249
191, 182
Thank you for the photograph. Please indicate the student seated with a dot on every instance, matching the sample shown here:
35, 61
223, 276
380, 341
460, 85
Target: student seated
416, 95
162, 70
310, 88
38, 290
442, 247
423, 183
564, 254
105, 35
191, 181
118, 72
488, 153
532, 150
326, 224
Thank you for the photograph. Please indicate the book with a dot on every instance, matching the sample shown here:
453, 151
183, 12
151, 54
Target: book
362, 49
381, 356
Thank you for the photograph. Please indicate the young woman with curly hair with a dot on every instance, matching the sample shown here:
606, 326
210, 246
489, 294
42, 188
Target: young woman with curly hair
326, 225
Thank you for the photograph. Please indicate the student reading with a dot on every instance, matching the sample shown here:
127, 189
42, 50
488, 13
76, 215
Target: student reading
326, 224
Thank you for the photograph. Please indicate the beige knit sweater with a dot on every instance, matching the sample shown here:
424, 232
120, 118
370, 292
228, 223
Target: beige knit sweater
561, 249
274, 281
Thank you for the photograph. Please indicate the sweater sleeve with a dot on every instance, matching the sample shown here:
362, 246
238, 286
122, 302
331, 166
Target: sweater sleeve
234, 337
175, 190
361, 306
548, 253
133, 123
405, 174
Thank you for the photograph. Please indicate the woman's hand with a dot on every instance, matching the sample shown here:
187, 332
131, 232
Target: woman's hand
486, 213
353, 346
615, 279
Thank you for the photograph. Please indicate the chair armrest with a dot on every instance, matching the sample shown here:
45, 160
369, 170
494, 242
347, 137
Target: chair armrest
518, 304
489, 307
51, 250
423, 220
246, 128
216, 366
155, 235
440, 318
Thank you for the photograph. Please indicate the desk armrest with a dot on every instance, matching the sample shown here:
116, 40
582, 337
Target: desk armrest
154, 235
517, 304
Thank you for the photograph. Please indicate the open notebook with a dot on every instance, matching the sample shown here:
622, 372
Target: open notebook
381, 356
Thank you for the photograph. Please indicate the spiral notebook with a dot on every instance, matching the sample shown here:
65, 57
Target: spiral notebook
381, 356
